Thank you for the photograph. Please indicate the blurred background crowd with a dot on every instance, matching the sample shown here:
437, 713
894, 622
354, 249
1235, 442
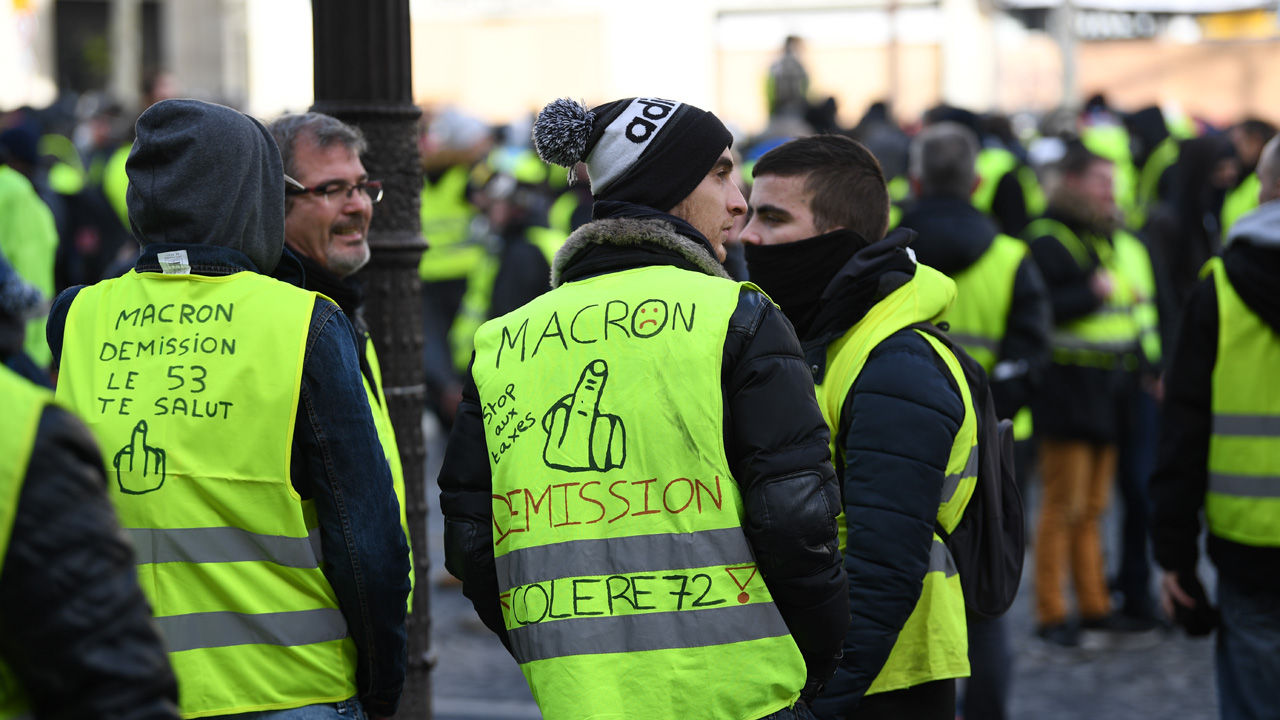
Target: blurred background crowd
1175, 94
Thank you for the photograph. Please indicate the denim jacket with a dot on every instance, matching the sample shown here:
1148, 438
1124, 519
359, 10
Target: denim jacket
337, 461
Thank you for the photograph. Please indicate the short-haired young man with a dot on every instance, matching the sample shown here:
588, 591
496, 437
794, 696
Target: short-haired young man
904, 433
637, 491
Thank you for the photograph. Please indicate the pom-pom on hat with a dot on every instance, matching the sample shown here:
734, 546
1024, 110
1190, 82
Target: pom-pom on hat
646, 151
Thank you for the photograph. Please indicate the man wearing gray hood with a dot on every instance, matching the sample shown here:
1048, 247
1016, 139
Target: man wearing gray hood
240, 449
1220, 451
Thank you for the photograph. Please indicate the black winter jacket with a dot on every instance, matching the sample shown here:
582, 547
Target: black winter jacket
1074, 402
897, 427
1252, 262
775, 438
74, 625
952, 235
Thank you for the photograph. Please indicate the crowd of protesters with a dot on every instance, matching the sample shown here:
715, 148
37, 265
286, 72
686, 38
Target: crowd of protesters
1080, 218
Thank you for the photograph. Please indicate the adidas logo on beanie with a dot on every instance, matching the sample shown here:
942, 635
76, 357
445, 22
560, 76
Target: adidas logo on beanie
646, 151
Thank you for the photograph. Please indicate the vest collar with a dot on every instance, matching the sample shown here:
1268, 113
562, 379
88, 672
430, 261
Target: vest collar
922, 298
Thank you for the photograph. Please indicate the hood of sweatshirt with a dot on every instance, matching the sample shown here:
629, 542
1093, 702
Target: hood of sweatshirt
1252, 261
204, 174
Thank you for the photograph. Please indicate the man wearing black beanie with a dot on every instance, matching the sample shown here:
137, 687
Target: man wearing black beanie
637, 491
904, 433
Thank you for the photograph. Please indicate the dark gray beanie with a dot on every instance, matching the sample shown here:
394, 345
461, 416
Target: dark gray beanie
646, 151
204, 174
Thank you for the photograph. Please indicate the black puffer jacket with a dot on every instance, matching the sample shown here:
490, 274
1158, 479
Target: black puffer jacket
898, 423
74, 625
1252, 262
775, 440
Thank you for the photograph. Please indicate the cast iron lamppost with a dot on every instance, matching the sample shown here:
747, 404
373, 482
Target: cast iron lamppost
363, 77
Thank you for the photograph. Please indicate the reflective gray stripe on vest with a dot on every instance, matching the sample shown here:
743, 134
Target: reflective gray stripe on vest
616, 556
952, 482
646, 631
1246, 425
1073, 342
223, 544
225, 629
1255, 486
985, 343
940, 559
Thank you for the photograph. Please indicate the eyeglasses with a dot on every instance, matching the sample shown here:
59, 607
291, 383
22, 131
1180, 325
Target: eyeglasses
371, 188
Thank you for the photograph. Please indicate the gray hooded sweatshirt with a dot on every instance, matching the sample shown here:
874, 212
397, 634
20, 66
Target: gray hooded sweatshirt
204, 174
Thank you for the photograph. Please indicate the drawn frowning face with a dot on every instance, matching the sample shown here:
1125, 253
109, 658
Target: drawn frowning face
649, 318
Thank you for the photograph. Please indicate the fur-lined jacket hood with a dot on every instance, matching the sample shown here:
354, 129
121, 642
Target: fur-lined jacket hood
645, 241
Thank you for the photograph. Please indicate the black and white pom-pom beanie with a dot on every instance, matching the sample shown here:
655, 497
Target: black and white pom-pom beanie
642, 150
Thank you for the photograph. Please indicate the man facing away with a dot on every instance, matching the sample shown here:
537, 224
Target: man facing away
637, 493
241, 451
903, 428
1220, 453
1000, 317
329, 201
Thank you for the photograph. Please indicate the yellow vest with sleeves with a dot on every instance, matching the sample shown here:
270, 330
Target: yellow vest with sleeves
1243, 500
387, 438
1242, 200
446, 221
191, 385
933, 644
1126, 324
24, 403
628, 586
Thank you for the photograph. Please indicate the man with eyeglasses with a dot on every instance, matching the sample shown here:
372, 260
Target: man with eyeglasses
240, 450
329, 201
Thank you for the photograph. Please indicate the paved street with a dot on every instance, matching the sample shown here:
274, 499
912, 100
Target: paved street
475, 679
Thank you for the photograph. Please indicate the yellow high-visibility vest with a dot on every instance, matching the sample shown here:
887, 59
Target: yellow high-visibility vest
24, 403
933, 644
191, 384
387, 437
628, 586
1243, 499
1127, 324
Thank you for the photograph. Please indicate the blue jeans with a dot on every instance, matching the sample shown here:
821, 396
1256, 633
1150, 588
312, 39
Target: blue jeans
1248, 652
799, 711
345, 710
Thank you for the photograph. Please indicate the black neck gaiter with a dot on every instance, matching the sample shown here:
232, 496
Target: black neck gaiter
795, 274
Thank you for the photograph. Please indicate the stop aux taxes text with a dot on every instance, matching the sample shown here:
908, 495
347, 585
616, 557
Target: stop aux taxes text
594, 501
505, 421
